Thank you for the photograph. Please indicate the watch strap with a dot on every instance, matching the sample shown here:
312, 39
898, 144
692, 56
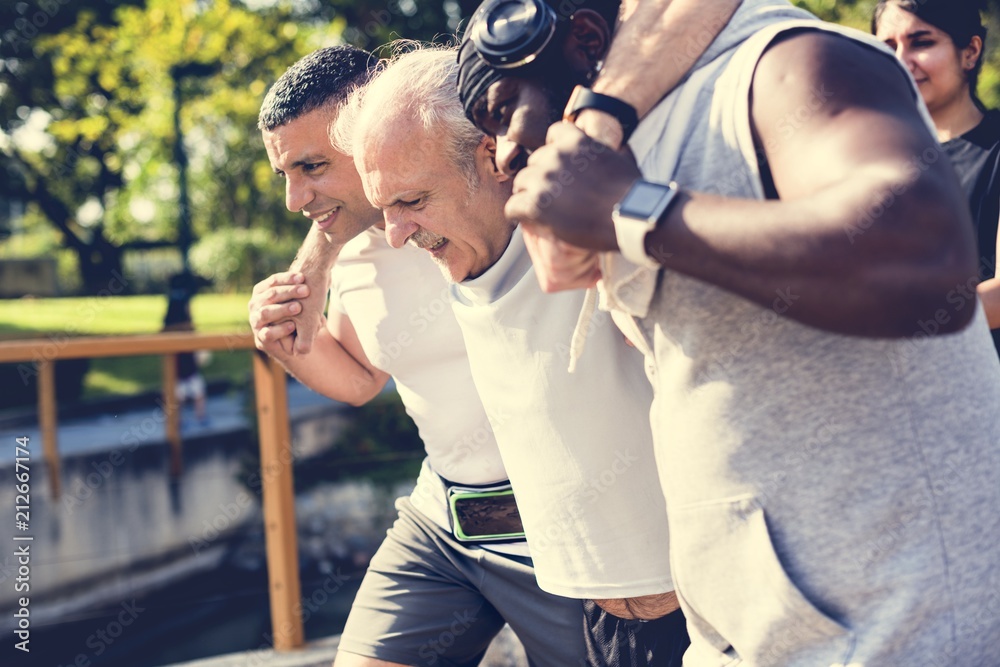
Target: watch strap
584, 98
631, 236
631, 232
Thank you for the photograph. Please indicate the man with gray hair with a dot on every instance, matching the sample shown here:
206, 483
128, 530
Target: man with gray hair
577, 447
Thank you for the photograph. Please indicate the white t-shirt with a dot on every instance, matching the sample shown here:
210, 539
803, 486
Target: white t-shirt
577, 447
399, 305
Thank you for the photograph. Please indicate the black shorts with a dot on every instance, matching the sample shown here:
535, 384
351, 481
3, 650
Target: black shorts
619, 642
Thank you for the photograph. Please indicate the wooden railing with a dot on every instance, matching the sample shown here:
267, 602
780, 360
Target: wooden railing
275, 440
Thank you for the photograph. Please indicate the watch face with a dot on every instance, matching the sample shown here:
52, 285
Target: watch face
643, 199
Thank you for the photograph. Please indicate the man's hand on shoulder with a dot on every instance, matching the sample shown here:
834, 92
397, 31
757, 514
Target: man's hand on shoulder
276, 300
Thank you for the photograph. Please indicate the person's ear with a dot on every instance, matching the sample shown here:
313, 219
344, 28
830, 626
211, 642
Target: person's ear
486, 159
588, 41
972, 53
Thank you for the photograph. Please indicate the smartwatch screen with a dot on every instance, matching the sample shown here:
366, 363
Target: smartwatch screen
642, 200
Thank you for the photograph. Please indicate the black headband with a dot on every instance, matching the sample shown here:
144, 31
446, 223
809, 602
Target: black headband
475, 76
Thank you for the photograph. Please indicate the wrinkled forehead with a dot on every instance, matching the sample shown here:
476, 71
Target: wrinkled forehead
395, 156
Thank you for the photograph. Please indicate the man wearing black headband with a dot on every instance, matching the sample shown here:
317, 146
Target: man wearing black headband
829, 499
507, 45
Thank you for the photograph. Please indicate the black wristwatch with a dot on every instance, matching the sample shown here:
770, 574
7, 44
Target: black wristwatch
584, 98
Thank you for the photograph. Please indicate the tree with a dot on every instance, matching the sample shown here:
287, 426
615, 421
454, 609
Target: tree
102, 89
43, 172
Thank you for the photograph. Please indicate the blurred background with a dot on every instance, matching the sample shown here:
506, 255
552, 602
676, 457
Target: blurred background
130, 156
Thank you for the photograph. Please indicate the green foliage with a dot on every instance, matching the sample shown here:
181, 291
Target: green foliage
855, 13
106, 108
237, 258
87, 101
381, 428
379, 433
118, 376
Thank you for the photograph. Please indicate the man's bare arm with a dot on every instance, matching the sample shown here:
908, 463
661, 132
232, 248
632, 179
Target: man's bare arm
860, 153
314, 260
653, 49
336, 365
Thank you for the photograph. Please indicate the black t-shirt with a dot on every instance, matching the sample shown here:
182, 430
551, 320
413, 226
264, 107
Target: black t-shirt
187, 365
976, 157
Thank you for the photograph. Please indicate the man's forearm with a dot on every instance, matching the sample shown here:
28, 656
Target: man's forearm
838, 272
329, 369
316, 257
652, 52
656, 45
314, 260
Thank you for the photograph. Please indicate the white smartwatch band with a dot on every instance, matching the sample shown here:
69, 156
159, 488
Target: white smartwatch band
637, 214
631, 235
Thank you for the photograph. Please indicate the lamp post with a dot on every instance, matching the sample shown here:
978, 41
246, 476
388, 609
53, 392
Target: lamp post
185, 237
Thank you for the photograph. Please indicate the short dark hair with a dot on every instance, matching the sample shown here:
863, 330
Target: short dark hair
325, 76
959, 19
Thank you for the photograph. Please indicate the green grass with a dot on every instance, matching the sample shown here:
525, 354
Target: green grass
111, 316
108, 316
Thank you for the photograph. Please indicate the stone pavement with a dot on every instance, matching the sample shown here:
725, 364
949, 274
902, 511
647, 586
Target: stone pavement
506, 651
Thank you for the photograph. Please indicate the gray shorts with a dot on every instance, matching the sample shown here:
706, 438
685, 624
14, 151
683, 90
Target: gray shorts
429, 600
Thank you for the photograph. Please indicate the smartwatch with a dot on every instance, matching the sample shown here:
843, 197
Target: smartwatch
637, 214
584, 98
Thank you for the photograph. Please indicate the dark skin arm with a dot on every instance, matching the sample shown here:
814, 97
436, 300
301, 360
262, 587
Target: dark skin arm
861, 146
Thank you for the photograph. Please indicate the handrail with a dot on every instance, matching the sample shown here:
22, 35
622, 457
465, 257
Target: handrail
275, 440
52, 349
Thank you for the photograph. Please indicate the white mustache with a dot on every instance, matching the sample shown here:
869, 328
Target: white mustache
424, 239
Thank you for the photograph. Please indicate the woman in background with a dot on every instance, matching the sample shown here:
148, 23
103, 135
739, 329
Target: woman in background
941, 43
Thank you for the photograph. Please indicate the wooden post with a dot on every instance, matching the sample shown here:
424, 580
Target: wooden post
47, 416
173, 413
276, 463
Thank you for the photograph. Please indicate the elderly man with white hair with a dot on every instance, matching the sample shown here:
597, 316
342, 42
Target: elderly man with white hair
577, 446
